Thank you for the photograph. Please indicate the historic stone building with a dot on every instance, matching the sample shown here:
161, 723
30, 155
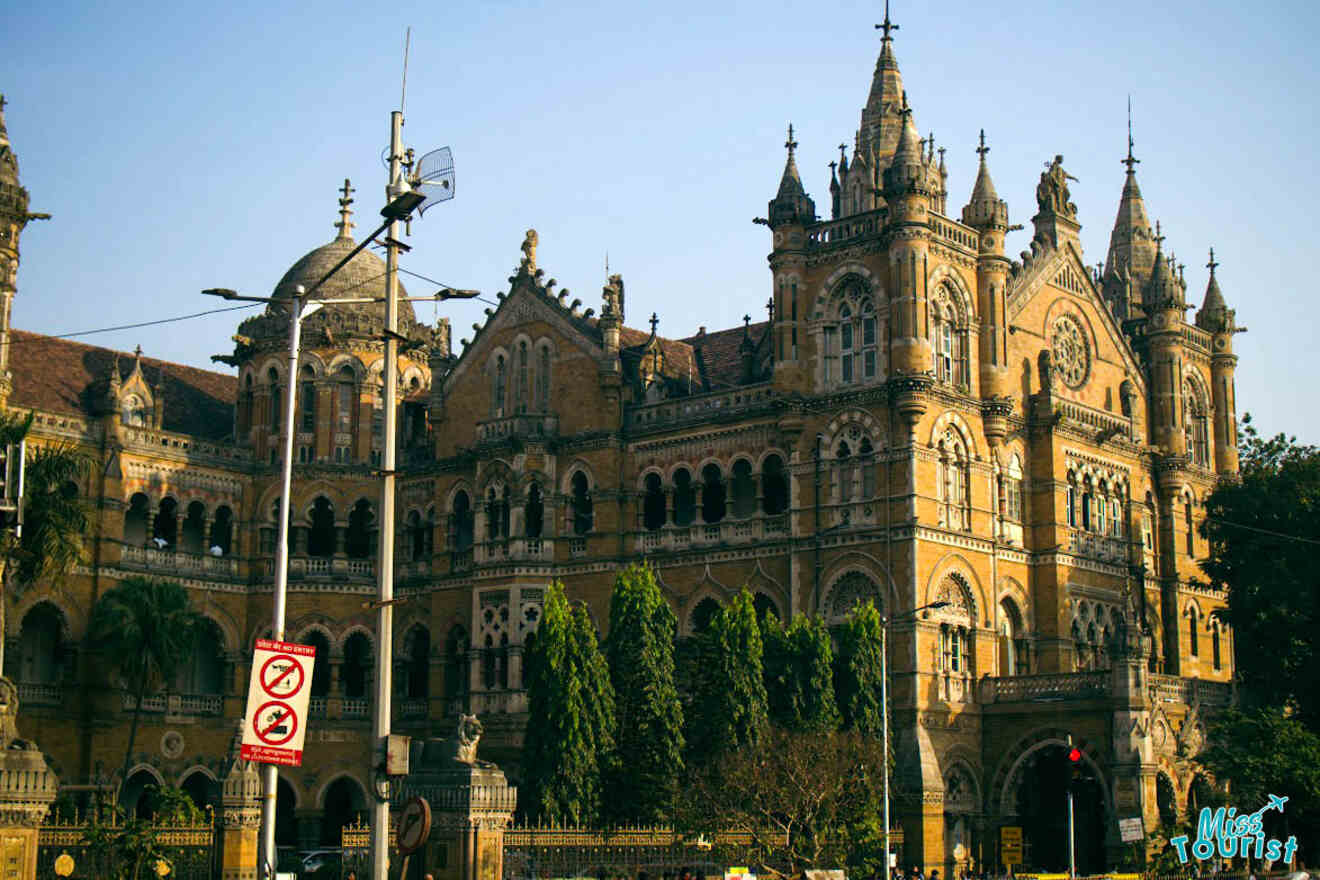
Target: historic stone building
923, 417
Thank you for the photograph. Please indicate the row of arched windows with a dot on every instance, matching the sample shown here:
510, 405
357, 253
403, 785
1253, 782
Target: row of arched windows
1194, 623
199, 531
520, 380
499, 506
1095, 506
714, 496
324, 534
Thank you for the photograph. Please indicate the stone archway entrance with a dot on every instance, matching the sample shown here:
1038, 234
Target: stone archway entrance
1041, 803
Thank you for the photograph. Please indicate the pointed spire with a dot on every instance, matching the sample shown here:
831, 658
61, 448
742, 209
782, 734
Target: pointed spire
8, 161
1131, 243
880, 116
345, 224
1162, 289
985, 208
791, 203
1214, 310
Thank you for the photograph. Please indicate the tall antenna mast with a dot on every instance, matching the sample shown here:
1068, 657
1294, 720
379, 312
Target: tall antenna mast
407, 44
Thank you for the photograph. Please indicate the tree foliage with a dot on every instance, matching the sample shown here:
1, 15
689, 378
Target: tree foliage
570, 727
649, 737
860, 690
1261, 753
799, 795
144, 629
1264, 533
799, 672
729, 708
55, 519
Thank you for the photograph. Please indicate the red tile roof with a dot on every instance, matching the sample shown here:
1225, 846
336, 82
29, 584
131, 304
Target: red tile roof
57, 375
719, 355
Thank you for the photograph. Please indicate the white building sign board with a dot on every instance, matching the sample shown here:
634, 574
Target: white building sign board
278, 694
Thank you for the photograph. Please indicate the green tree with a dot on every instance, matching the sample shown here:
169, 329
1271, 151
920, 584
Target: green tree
55, 520
570, 726
799, 674
729, 707
860, 692
649, 739
144, 629
1263, 753
1263, 532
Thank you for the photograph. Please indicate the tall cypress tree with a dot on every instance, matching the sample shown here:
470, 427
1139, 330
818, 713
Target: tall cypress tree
731, 703
649, 739
799, 674
858, 683
570, 716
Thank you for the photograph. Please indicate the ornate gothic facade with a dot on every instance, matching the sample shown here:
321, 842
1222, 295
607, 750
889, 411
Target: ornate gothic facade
921, 418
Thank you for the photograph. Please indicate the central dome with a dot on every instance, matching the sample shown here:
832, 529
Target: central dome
362, 276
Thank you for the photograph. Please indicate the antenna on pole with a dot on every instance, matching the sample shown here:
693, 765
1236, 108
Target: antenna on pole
433, 175
407, 44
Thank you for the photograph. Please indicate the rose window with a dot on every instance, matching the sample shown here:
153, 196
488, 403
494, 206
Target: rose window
1071, 358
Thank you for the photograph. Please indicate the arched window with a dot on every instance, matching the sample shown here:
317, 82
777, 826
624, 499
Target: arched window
1013, 658
843, 472
1013, 490
461, 519
534, 513
222, 531
744, 489
653, 503
456, 662
1081, 649
494, 515
521, 386
954, 488
847, 346
345, 386
274, 421
1087, 505
166, 525
774, 486
135, 520
712, 494
1215, 648
949, 338
867, 463
203, 669
499, 381
1190, 526
308, 394
416, 533
417, 671
506, 509
40, 652
543, 379
245, 409
357, 666
1193, 643
685, 498
194, 528
1101, 524
1195, 424
704, 614
360, 540
1071, 500
855, 331
321, 662
581, 504
321, 534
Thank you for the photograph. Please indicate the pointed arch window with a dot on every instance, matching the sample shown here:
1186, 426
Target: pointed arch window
534, 513
954, 483
1195, 424
273, 422
843, 472
345, 381
949, 339
1193, 643
308, 395
1190, 527
581, 504
543, 379
1216, 650
500, 380
855, 330
521, 386
1013, 490
461, 519
653, 503
846, 347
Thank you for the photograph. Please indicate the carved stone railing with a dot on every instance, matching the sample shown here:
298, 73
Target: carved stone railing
414, 708
540, 426
199, 704
847, 229
750, 530
1090, 417
460, 560
577, 547
137, 439
498, 702
34, 694
1045, 688
355, 707
515, 549
166, 560
698, 408
1175, 689
153, 703
317, 706
954, 232
1101, 547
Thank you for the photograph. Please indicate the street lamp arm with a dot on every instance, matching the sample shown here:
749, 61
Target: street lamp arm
913, 613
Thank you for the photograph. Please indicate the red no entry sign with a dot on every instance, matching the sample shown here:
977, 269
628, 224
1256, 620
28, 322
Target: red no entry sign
278, 694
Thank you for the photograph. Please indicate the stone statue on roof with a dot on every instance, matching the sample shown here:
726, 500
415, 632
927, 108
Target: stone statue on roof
529, 253
1052, 195
612, 294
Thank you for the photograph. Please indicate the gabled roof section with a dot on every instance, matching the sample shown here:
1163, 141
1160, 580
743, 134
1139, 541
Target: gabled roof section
719, 354
62, 376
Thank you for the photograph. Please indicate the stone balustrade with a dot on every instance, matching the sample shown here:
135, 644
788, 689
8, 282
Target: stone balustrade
35, 694
540, 426
178, 562
1175, 689
1095, 546
670, 538
699, 407
1046, 688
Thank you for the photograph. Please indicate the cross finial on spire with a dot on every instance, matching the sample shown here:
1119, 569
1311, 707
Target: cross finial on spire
982, 149
770, 308
1130, 160
886, 25
654, 321
137, 352
1212, 264
345, 224
747, 321
1159, 236
790, 143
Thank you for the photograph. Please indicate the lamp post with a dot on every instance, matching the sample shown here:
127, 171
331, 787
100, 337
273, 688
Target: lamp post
884, 701
300, 305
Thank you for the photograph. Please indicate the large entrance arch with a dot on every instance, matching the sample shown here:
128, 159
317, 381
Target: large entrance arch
344, 802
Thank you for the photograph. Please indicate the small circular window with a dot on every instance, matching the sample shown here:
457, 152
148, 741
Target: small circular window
1072, 358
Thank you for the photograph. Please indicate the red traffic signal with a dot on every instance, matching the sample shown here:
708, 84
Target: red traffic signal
1075, 756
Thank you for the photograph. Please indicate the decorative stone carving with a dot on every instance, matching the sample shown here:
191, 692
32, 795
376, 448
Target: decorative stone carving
1072, 357
1052, 195
529, 253
27, 789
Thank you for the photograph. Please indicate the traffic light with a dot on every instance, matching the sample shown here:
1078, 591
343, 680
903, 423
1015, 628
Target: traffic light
1075, 775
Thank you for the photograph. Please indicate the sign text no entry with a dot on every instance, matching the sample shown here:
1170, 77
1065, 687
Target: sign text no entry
278, 693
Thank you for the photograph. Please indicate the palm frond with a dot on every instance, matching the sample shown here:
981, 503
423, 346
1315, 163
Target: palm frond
55, 521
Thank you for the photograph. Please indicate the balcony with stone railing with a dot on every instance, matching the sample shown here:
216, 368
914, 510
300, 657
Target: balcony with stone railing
154, 441
354, 707
506, 702
39, 694
699, 407
832, 232
171, 561
177, 704
1189, 691
541, 426
326, 567
752, 530
1102, 548
1046, 688
514, 550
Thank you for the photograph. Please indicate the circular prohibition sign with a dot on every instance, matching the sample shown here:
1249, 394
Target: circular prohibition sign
282, 682
277, 727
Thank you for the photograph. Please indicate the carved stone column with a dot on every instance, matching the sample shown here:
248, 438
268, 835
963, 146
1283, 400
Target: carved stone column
471, 805
240, 800
27, 789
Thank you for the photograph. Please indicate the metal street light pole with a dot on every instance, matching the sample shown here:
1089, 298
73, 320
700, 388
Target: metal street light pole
884, 704
380, 726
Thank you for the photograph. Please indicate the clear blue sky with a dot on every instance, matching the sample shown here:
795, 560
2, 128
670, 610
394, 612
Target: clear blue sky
199, 145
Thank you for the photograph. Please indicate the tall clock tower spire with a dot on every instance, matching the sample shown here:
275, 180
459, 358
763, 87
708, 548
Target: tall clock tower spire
14, 215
